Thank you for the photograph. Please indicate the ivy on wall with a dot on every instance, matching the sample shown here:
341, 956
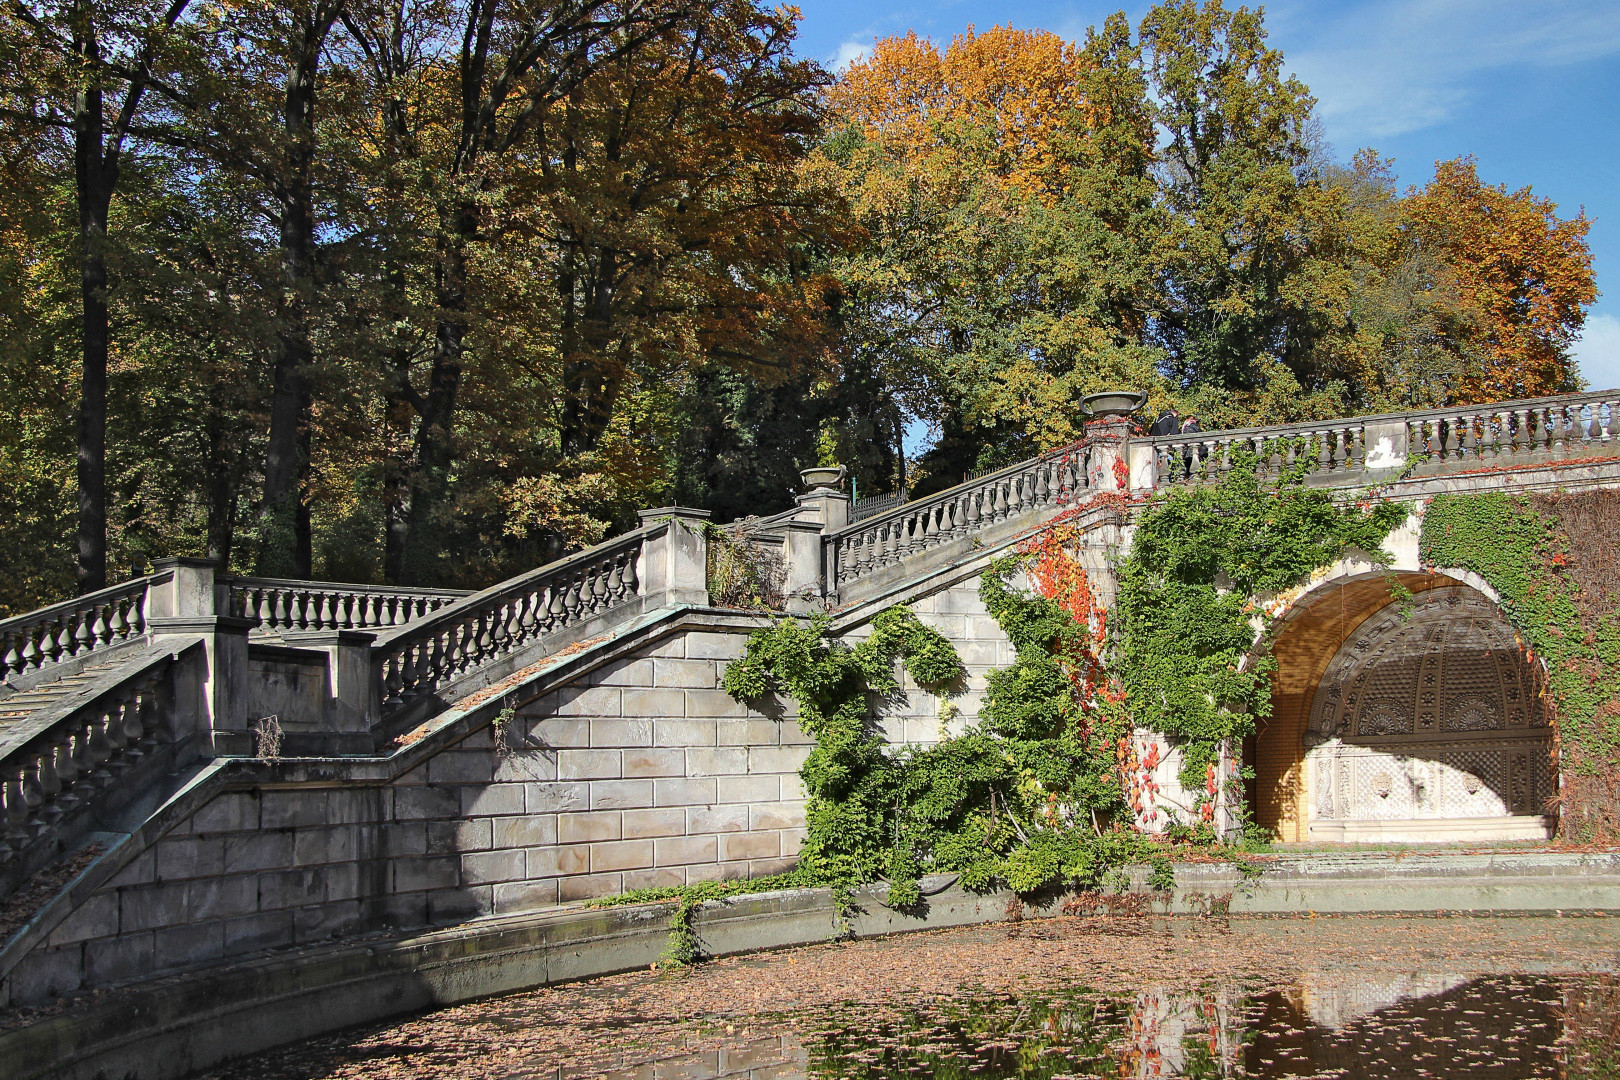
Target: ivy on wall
1554, 562
1186, 613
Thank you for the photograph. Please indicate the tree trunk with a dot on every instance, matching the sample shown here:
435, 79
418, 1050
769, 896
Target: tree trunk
94, 195
284, 549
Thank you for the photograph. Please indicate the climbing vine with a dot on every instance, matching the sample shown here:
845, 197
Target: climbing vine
1554, 562
1191, 592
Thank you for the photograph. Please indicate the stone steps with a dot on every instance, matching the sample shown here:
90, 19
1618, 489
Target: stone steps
28, 702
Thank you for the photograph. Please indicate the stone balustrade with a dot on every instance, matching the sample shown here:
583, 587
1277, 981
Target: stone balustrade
1358, 449
57, 762
280, 604
651, 565
75, 628
1050, 481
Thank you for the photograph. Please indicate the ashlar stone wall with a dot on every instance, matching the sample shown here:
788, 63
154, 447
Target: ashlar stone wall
643, 773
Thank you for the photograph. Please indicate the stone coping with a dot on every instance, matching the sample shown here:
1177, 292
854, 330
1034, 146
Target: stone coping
162, 1029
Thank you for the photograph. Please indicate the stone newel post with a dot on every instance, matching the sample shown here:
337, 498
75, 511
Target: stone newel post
823, 509
211, 705
1111, 464
675, 559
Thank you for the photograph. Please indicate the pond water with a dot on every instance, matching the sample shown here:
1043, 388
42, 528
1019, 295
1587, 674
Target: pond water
1052, 999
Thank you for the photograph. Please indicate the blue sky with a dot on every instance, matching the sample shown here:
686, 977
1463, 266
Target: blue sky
1529, 87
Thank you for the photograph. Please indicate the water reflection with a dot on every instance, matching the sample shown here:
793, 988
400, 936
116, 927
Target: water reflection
1421, 1027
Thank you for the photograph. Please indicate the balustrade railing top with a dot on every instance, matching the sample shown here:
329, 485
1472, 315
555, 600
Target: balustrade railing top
417, 659
1463, 436
74, 628
282, 604
863, 547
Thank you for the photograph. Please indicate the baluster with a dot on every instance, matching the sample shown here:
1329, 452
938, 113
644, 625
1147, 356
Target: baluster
880, 546
101, 630
631, 585
1560, 429
32, 795
970, 516
557, 608
1000, 506
408, 673
393, 680
79, 641
599, 589
572, 600
1467, 443
11, 658
1607, 408
66, 770
1453, 442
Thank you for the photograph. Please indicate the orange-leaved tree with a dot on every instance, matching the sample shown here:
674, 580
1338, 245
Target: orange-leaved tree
1519, 275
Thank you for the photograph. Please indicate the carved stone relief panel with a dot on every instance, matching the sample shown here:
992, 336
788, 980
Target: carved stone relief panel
1429, 711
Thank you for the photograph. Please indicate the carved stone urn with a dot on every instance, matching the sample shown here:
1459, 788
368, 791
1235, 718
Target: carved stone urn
824, 477
1112, 403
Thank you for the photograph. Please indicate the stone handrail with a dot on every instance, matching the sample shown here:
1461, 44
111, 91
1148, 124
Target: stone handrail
418, 659
75, 628
58, 760
283, 604
1456, 438
1052, 480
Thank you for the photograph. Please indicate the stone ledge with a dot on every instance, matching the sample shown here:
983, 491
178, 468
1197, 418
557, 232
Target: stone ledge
166, 1028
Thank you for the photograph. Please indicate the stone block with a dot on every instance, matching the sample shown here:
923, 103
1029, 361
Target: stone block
649, 762
733, 871
588, 765
584, 828
683, 733
223, 897
702, 872
269, 930
459, 905
983, 652
793, 788
671, 648
687, 674
723, 761
776, 759
984, 628
96, 917
715, 646
691, 791
666, 878
736, 732
645, 824
431, 872
293, 807
714, 703
530, 830
524, 896
959, 601
404, 909
585, 888
522, 765
139, 871
549, 798
624, 673
292, 888
620, 732
621, 855
588, 701
489, 867
403, 838
750, 845
343, 881
560, 734
791, 734
322, 921
758, 868
621, 794
558, 861
716, 819
747, 789
423, 803
179, 946
416, 775
493, 800
315, 847
232, 811
146, 907
778, 815
114, 959
461, 767
354, 806
680, 850
47, 973
793, 841
451, 837
654, 704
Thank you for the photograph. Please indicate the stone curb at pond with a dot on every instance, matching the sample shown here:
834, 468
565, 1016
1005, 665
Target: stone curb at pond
166, 1028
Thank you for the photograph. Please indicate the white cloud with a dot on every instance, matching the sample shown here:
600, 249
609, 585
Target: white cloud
850, 52
1387, 67
1598, 352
